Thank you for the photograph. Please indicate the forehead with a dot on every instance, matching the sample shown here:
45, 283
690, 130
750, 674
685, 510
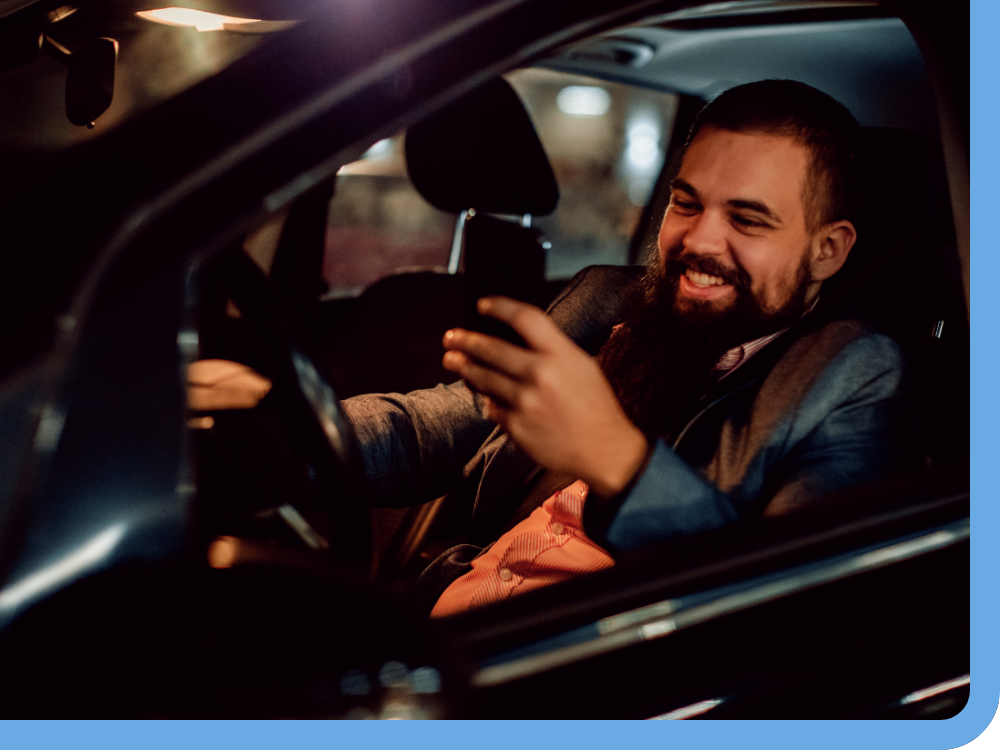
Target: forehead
723, 166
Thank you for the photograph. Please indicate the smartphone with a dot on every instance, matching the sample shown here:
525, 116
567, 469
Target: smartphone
504, 258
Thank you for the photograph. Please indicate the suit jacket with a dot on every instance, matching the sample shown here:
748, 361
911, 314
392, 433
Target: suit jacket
824, 407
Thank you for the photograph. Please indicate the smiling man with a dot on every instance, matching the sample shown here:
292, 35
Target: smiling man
721, 391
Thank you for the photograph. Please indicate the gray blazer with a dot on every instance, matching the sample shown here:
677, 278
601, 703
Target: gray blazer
824, 407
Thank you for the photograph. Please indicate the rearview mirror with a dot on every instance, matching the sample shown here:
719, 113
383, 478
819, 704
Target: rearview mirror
90, 81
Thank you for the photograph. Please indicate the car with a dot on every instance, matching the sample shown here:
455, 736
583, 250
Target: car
161, 556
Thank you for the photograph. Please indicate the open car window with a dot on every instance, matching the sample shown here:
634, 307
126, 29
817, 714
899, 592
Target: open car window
126, 491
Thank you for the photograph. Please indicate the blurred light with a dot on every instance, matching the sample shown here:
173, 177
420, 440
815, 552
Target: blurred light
425, 680
355, 682
695, 709
584, 101
359, 713
222, 552
658, 629
941, 687
187, 339
201, 20
393, 673
87, 556
49, 429
59, 14
379, 148
643, 149
301, 526
372, 161
642, 157
402, 710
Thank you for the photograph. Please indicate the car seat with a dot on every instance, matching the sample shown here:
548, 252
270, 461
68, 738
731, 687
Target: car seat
903, 275
478, 158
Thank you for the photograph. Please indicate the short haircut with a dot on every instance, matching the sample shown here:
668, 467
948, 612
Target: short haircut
813, 119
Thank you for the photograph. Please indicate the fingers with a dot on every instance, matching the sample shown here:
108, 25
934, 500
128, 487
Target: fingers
497, 353
220, 384
535, 327
496, 385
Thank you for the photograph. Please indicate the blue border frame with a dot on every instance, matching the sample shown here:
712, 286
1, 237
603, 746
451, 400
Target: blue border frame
914, 735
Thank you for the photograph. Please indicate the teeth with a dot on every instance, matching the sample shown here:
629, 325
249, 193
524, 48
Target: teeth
703, 279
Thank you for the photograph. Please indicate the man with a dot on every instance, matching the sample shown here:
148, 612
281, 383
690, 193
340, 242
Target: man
724, 393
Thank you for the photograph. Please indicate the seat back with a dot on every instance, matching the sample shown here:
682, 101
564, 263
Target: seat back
899, 272
479, 158
903, 274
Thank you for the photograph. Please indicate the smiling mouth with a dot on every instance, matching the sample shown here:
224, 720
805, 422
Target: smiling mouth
704, 280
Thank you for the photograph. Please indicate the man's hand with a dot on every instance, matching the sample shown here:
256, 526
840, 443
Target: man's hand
551, 398
220, 384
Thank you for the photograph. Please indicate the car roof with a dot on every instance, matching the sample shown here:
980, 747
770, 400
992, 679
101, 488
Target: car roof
884, 85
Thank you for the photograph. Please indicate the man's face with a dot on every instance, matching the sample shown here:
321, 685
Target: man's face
735, 232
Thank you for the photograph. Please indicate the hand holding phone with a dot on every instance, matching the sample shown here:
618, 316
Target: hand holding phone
550, 396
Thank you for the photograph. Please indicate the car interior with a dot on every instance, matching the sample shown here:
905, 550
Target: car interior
485, 172
480, 160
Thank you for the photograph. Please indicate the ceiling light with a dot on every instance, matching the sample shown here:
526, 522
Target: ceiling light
199, 19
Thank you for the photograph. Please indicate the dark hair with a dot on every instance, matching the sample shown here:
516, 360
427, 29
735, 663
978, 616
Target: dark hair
812, 118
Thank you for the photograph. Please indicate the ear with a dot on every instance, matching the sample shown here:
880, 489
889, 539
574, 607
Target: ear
829, 248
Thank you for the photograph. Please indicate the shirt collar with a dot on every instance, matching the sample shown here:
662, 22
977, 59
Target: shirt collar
736, 356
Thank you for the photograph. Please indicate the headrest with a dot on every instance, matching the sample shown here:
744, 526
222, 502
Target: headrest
482, 152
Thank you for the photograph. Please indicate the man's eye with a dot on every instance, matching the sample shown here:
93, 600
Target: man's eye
745, 221
684, 205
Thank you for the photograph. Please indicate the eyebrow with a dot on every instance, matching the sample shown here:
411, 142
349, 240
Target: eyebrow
751, 205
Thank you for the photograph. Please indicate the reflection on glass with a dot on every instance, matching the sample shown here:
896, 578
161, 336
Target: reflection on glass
65, 569
687, 712
933, 690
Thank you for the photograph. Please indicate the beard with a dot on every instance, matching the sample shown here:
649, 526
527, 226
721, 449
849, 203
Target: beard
660, 361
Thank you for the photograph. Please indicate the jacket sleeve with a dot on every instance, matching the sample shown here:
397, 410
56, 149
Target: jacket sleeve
856, 423
415, 446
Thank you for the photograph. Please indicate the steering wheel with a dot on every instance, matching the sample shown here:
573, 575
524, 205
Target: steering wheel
307, 403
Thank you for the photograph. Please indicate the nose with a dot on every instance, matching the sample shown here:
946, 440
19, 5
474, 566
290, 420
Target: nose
706, 235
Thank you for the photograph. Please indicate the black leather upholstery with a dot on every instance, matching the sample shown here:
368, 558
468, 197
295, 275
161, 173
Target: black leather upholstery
482, 152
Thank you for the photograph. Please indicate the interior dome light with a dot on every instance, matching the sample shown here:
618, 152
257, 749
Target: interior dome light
199, 19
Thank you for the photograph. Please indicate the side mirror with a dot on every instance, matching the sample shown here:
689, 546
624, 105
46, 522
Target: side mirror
90, 81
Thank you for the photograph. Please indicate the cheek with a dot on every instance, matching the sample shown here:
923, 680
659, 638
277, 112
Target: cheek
758, 263
773, 283
669, 236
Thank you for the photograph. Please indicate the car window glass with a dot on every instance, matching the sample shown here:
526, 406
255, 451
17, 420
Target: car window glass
606, 142
379, 224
